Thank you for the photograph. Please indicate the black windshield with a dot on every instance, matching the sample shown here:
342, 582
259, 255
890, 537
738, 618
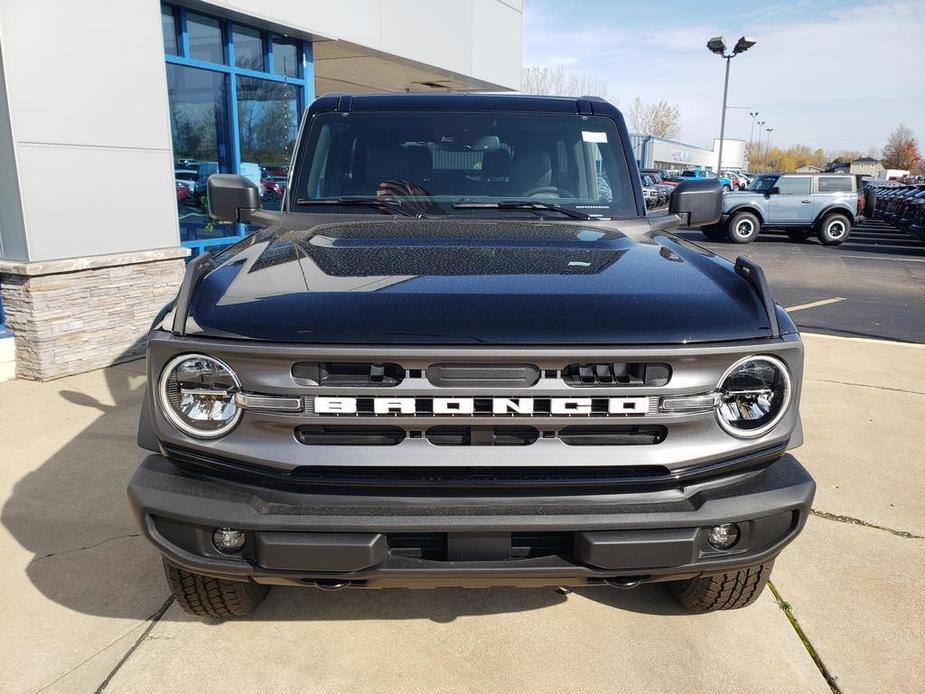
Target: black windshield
447, 158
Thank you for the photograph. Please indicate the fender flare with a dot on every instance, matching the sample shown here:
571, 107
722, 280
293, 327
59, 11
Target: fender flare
747, 207
834, 207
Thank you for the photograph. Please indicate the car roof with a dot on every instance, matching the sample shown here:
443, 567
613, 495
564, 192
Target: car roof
463, 101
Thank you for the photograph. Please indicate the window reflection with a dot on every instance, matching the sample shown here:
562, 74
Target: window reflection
169, 28
285, 57
199, 126
205, 38
248, 48
268, 119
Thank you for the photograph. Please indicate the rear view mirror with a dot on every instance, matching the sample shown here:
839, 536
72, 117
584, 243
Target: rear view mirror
697, 201
232, 198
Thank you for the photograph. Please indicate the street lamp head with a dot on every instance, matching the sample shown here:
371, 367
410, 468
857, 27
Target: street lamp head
743, 44
717, 45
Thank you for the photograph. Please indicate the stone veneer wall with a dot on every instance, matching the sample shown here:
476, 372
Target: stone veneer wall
75, 315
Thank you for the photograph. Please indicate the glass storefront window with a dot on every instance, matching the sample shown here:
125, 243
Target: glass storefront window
199, 125
268, 120
169, 28
205, 38
248, 48
225, 122
285, 57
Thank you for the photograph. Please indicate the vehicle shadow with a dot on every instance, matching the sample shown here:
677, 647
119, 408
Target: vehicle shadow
871, 237
72, 514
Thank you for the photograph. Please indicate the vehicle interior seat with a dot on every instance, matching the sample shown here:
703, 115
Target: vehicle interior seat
496, 172
531, 171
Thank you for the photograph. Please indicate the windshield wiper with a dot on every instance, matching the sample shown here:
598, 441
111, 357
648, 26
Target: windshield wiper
388, 204
524, 205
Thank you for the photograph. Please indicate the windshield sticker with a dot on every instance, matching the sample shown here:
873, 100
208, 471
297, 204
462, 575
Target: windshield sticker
591, 136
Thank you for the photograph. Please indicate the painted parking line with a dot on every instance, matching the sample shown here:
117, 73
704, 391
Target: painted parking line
814, 304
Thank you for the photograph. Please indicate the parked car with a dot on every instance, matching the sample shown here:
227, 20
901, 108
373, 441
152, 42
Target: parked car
273, 187
906, 212
802, 204
183, 191
663, 191
511, 381
188, 178
660, 176
735, 181
725, 181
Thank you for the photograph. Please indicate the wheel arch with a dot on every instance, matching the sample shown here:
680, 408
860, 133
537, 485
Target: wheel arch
747, 208
836, 208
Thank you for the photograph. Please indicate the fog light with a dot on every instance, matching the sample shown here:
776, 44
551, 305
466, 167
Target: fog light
228, 540
723, 536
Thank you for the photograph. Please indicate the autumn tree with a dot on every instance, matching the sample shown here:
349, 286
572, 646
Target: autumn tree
556, 81
902, 150
660, 119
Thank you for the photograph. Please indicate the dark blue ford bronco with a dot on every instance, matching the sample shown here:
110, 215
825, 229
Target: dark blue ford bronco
464, 355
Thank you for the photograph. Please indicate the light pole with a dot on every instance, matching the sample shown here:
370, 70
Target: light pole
751, 137
718, 45
767, 149
760, 126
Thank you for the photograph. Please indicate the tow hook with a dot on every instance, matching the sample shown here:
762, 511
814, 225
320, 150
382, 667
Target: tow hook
332, 584
624, 582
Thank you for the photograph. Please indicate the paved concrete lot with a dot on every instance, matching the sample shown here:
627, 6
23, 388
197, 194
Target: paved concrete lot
877, 280
84, 603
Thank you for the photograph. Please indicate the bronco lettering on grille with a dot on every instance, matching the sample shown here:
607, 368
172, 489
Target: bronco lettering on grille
481, 406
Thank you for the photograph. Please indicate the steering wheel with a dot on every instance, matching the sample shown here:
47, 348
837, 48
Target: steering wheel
556, 191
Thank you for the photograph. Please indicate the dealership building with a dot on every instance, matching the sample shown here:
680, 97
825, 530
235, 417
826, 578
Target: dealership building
113, 112
658, 153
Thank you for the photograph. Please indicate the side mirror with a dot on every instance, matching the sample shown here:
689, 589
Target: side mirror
774, 191
698, 202
232, 198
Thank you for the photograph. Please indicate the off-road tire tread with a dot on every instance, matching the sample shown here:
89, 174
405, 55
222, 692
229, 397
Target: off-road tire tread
728, 591
205, 596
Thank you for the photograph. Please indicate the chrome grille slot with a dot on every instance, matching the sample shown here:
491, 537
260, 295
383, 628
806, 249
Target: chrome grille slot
350, 435
482, 436
612, 435
348, 374
636, 374
483, 375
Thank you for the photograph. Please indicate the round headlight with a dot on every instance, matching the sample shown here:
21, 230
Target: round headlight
754, 395
197, 395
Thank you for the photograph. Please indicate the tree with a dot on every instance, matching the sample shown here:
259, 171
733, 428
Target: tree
902, 150
555, 81
660, 119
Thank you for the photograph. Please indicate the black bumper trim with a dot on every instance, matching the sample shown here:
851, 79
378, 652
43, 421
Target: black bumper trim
162, 494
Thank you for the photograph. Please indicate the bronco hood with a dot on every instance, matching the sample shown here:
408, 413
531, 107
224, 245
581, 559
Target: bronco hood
462, 281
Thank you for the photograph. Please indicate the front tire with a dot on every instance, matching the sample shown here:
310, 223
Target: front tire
205, 596
834, 230
743, 227
727, 591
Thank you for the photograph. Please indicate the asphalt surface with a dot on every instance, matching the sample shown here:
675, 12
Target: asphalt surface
871, 286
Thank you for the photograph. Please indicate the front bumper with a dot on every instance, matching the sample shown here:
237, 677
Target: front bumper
312, 539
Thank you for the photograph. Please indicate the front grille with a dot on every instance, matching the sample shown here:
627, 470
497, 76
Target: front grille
350, 435
348, 374
481, 436
483, 375
617, 374
612, 435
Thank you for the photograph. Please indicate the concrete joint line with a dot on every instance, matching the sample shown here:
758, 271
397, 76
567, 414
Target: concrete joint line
81, 549
865, 385
152, 621
857, 521
804, 639
86, 660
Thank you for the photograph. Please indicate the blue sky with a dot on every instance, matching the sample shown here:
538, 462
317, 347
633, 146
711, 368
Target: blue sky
825, 73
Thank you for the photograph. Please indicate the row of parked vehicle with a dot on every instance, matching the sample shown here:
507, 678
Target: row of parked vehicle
191, 177
902, 206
